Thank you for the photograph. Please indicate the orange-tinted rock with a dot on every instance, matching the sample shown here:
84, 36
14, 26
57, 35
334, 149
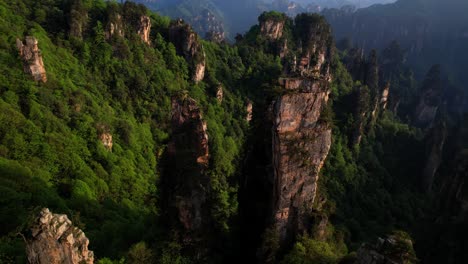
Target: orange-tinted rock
32, 58
54, 240
301, 143
144, 29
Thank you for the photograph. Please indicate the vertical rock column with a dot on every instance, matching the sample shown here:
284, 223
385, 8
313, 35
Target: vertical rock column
187, 44
189, 156
32, 59
301, 142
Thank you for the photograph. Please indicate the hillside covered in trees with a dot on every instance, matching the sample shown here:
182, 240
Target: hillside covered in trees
161, 147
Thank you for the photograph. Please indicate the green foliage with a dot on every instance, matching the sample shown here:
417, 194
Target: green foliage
272, 16
309, 251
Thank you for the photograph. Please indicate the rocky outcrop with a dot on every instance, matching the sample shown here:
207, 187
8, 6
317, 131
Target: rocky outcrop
199, 71
249, 109
301, 142
272, 25
220, 93
144, 29
106, 139
315, 46
32, 58
115, 26
301, 137
384, 97
189, 155
187, 118
188, 45
394, 249
54, 240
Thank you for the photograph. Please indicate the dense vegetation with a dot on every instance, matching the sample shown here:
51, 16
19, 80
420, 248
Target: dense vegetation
51, 154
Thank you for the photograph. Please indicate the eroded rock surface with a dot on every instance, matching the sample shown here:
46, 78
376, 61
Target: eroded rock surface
54, 240
301, 138
272, 28
188, 45
301, 142
32, 58
144, 29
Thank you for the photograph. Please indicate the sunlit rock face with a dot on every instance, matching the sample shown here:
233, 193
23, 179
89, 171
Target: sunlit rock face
32, 58
271, 28
188, 44
301, 138
301, 142
144, 29
54, 240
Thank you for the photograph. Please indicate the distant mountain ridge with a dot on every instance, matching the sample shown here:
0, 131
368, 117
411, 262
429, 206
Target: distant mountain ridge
432, 32
231, 17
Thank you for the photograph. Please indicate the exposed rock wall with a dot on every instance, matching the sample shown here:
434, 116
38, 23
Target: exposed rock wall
272, 29
144, 29
301, 140
301, 143
32, 58
384, 97
189, 155
187, 44
54, 240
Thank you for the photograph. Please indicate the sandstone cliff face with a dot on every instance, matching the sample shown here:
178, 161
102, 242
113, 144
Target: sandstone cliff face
189, 154
272, 29
301, 143
32, 59
144, 29
55, 240
187, 44
301, 140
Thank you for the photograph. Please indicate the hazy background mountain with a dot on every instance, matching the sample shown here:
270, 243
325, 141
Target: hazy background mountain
430, 31
231, 17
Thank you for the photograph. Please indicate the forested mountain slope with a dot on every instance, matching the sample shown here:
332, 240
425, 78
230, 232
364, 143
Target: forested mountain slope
160, 147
